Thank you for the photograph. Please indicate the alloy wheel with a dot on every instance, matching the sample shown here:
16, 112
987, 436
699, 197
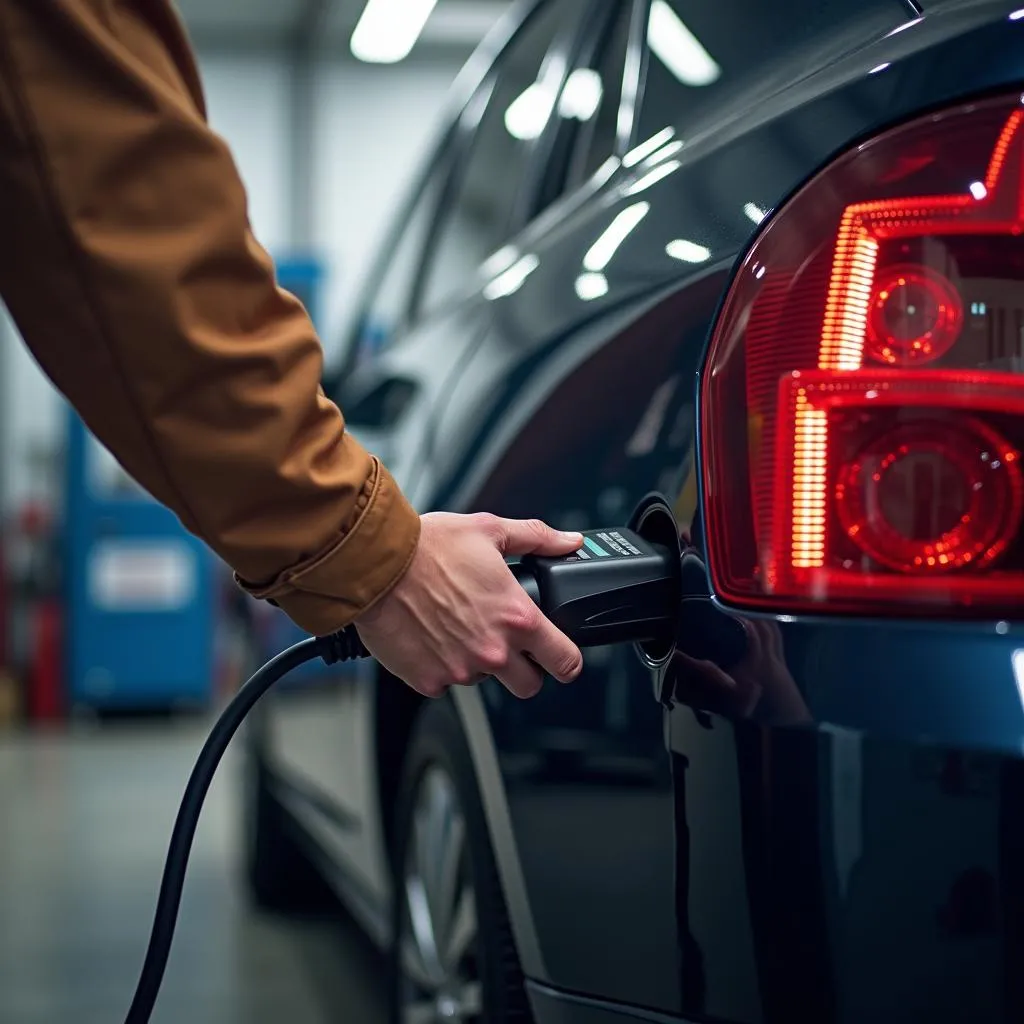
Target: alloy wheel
440, 976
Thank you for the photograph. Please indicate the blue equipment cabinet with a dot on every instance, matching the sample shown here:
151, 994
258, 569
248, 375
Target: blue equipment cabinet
138, 590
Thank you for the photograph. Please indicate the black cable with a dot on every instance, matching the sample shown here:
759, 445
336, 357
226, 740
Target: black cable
342, 646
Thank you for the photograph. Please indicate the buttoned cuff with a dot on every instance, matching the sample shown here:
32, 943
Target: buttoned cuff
370, 555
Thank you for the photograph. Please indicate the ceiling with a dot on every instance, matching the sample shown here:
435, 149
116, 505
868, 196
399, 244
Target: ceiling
250, 24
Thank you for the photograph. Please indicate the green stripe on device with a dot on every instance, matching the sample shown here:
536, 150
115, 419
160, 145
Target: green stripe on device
595, 547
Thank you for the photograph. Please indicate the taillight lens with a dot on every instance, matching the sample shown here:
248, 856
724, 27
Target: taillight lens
862, 410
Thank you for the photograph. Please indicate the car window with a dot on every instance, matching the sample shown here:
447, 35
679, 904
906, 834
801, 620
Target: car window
595, 139
702, 54
587, 108
385, 310
516, 114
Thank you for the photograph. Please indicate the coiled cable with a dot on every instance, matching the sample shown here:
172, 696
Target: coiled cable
344, 645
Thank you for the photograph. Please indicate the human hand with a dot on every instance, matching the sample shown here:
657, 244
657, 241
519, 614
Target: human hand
458, 614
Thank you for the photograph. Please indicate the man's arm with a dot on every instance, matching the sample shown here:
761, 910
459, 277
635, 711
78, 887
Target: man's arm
130, 269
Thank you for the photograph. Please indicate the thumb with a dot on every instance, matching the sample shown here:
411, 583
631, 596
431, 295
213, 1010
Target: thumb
533, 537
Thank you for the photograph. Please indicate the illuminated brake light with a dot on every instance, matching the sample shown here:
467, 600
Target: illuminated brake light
868, 382
1002, 149
849, 297
810, 452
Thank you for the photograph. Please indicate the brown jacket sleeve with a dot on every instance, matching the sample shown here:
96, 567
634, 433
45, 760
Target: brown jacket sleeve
128, 265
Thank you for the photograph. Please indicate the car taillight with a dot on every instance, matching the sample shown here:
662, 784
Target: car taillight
862, 409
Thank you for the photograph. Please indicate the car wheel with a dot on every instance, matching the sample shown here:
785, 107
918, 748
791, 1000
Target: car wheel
281, 877
453, 959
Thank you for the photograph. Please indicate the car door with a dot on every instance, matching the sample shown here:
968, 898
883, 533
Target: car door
412, 341
320, 735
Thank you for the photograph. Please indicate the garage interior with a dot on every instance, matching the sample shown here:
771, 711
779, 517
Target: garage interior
327, 134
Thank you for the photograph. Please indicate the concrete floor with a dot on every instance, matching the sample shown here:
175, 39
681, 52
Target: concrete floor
84, 821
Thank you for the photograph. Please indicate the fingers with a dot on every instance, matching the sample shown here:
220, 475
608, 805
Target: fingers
551, 649
521, 677
532, 537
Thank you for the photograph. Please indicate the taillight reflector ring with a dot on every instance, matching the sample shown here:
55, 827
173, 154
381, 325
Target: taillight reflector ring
980, 464
931, 307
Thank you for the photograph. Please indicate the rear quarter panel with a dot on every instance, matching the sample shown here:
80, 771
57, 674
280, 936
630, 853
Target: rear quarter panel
782, 898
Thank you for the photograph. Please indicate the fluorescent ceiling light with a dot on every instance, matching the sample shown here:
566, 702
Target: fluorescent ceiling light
512, 279
647, 147
1017, 661
600, 254
606, 170
591, 286
581, 95
651, 177
904, 27
670, 150
755, 213
528, 113
1017, 15
688, 252
499, 261
388, 29
880, 67
678, 48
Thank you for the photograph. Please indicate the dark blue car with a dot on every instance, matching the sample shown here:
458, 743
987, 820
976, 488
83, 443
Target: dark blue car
762, 257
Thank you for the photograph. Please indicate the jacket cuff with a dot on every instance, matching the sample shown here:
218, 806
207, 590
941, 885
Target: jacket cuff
336, 586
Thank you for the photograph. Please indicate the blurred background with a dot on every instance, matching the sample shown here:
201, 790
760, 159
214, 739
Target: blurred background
328, 107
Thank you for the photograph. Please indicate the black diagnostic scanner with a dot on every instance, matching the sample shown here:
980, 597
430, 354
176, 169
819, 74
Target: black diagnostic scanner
616, 588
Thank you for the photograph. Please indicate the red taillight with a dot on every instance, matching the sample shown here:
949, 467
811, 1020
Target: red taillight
863, 406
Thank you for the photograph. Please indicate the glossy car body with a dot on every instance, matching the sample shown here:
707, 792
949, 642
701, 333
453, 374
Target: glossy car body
850, 851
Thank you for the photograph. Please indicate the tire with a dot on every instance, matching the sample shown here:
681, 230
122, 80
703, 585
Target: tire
281, 878
480, 979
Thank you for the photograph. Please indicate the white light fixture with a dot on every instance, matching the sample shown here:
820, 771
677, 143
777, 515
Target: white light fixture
1017, 661
647, 147
678, 48
388, 29
659, 172
1017, 15
755, 213
880, 67
688, 252
977, 189
591, 286
528, 113
600, 254
581, 95
499, 261
666, 151
606, 170
904, 27
512, 279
